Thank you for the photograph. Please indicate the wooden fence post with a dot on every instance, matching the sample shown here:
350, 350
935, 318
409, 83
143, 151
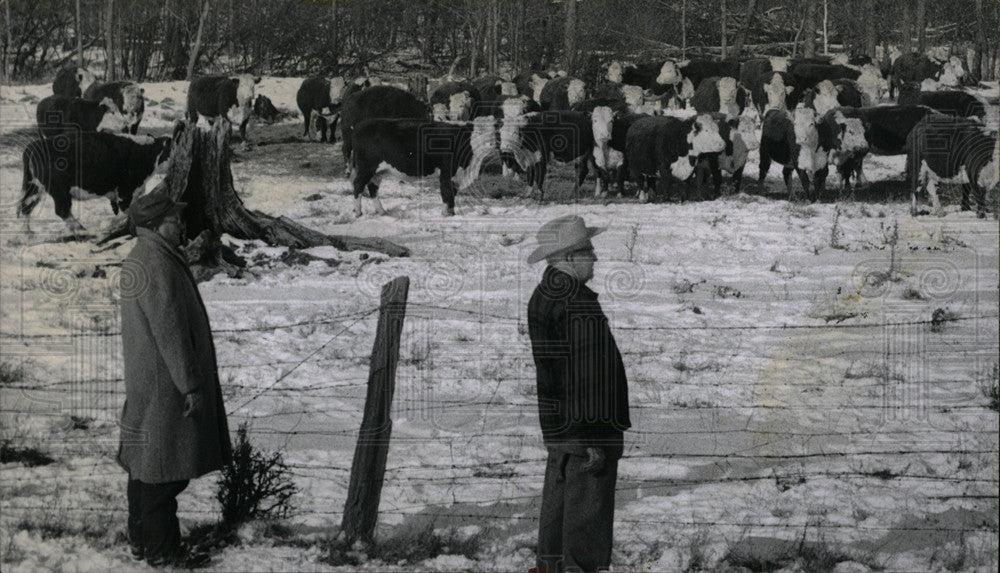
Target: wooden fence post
368, 468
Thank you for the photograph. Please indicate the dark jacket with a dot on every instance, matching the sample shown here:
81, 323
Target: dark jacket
168, 350
582, 388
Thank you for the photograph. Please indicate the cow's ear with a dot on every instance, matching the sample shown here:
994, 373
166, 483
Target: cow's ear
256, 80
788, 90
840, 88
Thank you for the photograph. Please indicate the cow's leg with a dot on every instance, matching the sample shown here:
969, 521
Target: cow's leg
447, 194
64, 204
737, 180
373, 186
540, 168
360, 181
764, 165
819, 185
308, 118
804, 179
713, 165
31, 196
786, 176
600, 176
932, 193
581, 174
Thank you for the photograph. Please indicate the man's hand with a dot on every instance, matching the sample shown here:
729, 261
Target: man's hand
595, 461
193, 404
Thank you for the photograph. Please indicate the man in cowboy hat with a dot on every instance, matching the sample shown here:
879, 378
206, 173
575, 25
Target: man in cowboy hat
173, 426
582, 402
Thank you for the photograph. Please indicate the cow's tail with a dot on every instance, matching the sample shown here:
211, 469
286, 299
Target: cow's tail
30, 191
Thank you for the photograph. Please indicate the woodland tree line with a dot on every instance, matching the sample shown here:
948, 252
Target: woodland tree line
148, 40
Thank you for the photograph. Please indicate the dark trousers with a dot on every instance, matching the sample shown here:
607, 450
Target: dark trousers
152, 516
578, 509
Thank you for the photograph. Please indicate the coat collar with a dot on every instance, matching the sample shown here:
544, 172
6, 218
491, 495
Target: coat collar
561, 284
156, 240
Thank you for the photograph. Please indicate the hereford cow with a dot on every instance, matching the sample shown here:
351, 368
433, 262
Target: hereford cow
531, 83
129, 98
793, 141
561, 94
494, 88
72, 81
418, 148
60, 114
774, 91
610, 130
531, 140
887, 126
699, 69
946, 149
661, 149
912, 68
844, 139
458, 98
807, 75
210, 97
98, 163
317, 94
383, 102
740, 137
717, 94
827, 95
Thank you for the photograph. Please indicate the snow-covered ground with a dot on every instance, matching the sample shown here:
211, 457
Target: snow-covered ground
787, 380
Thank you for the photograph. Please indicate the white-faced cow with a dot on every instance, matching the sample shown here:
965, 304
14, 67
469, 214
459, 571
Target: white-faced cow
418, 148
72, 81
529, 141
795, 145
561, 94
740, 136
717, 94
844, 138
128, 97
912, 68
210, 97
98, 163
700, 69
662, 149
458, 99
382, 102
59, 114
946, 149
950, 102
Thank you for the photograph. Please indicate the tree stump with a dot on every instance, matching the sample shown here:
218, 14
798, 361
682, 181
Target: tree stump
198, 173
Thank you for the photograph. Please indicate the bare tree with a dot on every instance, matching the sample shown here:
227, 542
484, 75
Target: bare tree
809, 30
871, 38
741, 36
109, 42
907, 29
79, 37
921, 24
196, 48
570, 36
723, 19
684, 37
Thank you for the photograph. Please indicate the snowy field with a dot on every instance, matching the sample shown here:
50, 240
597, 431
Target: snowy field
805, 379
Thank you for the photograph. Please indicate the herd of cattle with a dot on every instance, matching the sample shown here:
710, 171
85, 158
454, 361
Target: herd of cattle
657, 124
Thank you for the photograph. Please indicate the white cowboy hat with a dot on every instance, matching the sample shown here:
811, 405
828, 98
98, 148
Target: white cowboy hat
560, 235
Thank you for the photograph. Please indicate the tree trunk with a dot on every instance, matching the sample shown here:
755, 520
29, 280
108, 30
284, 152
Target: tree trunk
871, 36
907, 27
335, 35
826, 29
9, 44
196, 48
79, 37
109, 27
741, 37
199, 175
570, 37
684, 28
809, 30
921, 23
982, 44
723, 20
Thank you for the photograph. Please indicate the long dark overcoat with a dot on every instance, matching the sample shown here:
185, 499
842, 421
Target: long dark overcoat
168, 350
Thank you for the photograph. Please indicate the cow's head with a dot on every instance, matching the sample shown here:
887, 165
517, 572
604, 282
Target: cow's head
337, 87
952, 72
872, 85
537, 83
439, 112
704, 136
576, 91
849, 138
727, 96
840, 60
513, 121
823, 97
811, 158
112, 118
633, 95
600, 120
615, 72
929, 85
133, 104
84, 78
687, 90
776, 92
483, 143
669, 74
508, 89
460, 106
746, 129
243, 108
779, 63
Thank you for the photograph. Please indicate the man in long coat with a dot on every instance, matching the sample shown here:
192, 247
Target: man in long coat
173, 425
582, 402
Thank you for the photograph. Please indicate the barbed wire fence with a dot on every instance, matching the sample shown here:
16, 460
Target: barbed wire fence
516, 473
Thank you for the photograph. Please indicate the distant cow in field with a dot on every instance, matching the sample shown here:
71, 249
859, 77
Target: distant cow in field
699, 69
807, 75
912, 68
59, 114
98, 163
946, 149
210, 97
129, 98
887, 126
561, 94
844, 139
950, 102
317, 94
455, 100
72, 81
717, 94
418, 148
662, 149
827, 95
532, 140
793, 141
377, 102
740, 137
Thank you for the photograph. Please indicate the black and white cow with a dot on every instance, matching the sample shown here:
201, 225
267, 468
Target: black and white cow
531, 140
454, 101
887, 126
531, 83
775, 90
946, 149
128, 97
844, 139
912, 68
793, 141
827, 95
211, 97
700, 69
740, 136
263, 109
717, 94
418, 148
60, 114
561, 94
98, 163
494, 88
660, 149
610, 128
72, 81
807, 74
951, 102
376, 102
317, 94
